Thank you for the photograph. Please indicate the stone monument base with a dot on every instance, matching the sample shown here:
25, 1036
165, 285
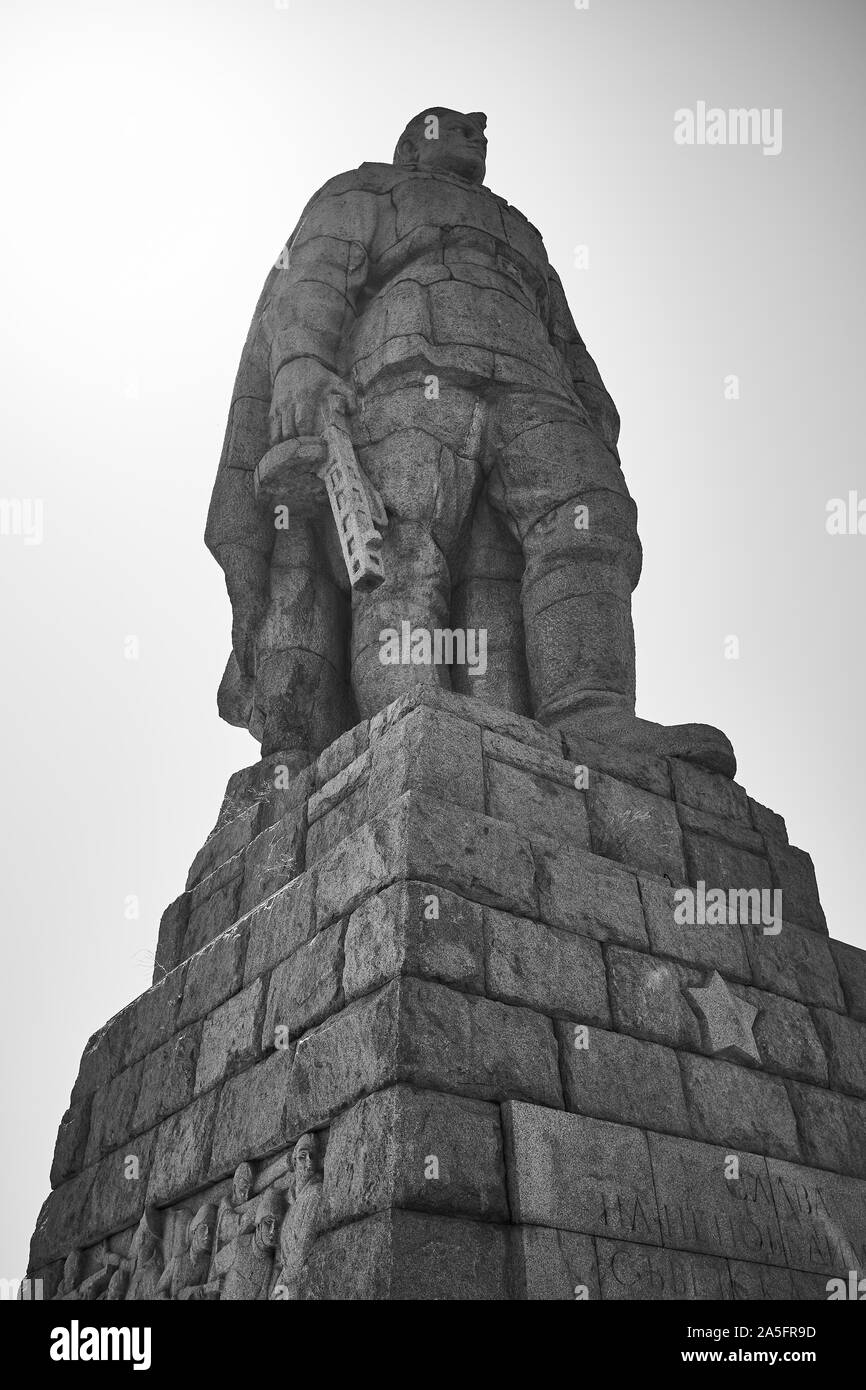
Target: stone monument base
452, 949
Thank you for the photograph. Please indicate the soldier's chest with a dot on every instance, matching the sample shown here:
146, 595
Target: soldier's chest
428, 210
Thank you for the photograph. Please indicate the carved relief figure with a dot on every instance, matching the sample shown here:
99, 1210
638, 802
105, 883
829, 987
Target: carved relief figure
146, 1261
235, 1215
186, 1275
246, 1264
301, 1223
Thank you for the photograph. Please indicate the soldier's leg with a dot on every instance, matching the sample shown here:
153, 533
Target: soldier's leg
302, 700
487, 600
566, 498
420, 453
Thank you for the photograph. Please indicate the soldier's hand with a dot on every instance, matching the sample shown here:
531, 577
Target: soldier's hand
302, 390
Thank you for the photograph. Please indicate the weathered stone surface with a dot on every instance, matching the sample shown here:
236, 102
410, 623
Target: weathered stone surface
642, 1273
709, 791
71, 1142
794, 874
167, 1079
833, 1128
733, 832
274, 782
231, 839
536, 805
214, 914
273, 859
579, 1174
721, 865
334, 825
705, 1210
476, 1047
648, 1000
231, 1037
635, 827
256, 1114
431, 752
474, 855
307, 987
152, 1018
527, 758
369, 859
625, 764
214, 974
62, 1221
414, 929
587, 894
844, 1042
411, 1256
722, 948
280, 925
822, 1218
475, 711
170, 941
342, 751
786, 1037
113, 1111
734, 1105
770, 825
796, 962
103, 1056
553, 971
416, 1149
347, 1057
614, 1077
119, 1188
182, 1151
352, 777
553, 1266
851, 965
762, 1283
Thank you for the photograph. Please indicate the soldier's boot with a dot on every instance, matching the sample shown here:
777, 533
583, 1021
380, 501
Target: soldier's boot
580, 644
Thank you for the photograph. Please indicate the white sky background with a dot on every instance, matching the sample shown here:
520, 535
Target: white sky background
156, 157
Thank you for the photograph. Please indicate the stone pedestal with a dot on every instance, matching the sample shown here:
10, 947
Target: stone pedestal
452, 949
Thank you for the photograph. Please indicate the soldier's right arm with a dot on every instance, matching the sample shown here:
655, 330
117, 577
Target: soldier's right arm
314, 303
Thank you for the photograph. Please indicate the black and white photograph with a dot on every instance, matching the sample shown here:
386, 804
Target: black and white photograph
433, 544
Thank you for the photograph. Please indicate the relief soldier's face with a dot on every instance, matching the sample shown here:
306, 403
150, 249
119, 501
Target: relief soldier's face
267, 1232
201, 1238
460, 149
303, 1167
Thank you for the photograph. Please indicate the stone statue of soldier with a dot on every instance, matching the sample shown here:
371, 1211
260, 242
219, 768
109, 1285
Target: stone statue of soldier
186, 1276
146, 1262
301, 1222
246, 1264
423, 308
234, 1216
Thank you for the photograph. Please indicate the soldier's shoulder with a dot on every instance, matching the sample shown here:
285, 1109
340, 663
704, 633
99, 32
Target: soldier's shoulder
367, 178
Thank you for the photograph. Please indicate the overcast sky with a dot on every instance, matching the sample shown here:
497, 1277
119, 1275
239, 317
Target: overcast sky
157, 156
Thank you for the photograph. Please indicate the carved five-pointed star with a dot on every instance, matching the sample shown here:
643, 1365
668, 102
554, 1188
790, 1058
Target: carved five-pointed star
726, 1020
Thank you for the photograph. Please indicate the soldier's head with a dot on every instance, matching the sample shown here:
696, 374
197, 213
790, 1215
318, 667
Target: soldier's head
243, 1181
304, 1161
201, 1230
268, 1215
439, 140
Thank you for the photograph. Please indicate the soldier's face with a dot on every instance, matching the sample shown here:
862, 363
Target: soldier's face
459, 148
268, 1231
303, 1168
201, 1238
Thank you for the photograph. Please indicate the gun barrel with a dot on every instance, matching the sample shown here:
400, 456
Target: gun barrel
360, 541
